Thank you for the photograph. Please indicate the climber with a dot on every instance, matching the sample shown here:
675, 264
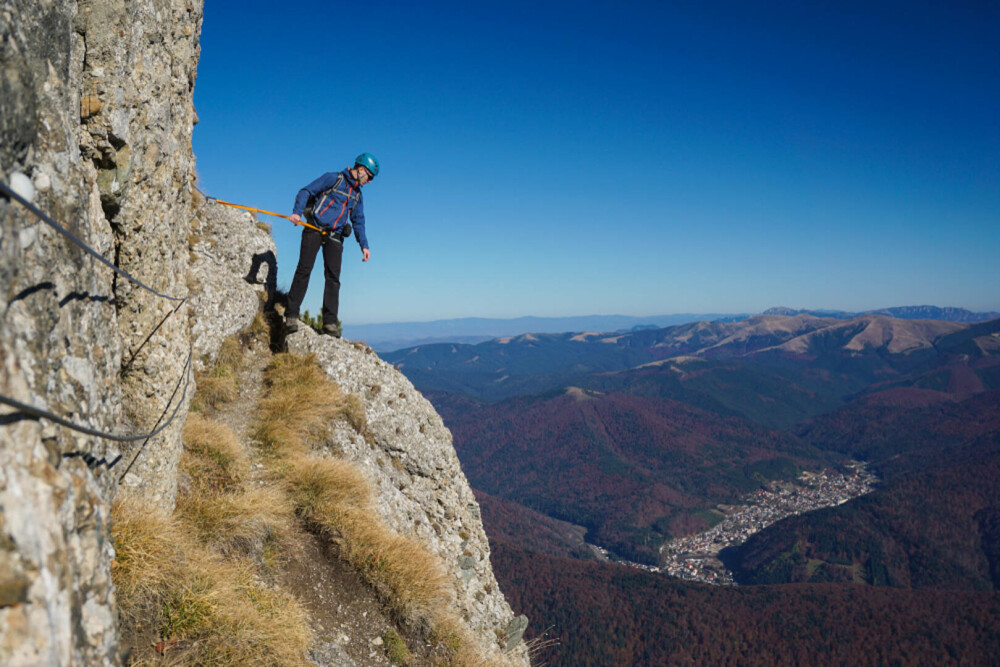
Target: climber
327, 203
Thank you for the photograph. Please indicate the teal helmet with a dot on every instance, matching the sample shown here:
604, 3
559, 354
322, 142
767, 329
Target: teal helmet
368, 161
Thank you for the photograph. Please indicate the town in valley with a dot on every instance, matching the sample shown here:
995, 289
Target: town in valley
695, 557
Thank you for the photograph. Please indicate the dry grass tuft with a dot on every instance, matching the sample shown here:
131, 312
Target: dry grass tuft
300, 404
449, 631
225, 514
259, 331
237, 522
354, 412
395, 648
540, 645
257, 626
320, 485
460, 647
210, 611
401, 568
149, 559
335, 496
231, 354
212, 456
219, 385
215, 387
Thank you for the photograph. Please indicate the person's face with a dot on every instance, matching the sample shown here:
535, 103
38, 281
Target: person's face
364, 176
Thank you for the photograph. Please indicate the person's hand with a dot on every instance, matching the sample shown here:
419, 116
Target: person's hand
294, 217
365, 254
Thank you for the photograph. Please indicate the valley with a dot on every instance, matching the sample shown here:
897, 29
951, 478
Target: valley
749, 451
695, 557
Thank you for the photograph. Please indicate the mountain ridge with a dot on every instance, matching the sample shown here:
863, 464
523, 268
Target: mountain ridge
533, 363
946, 313
391, 336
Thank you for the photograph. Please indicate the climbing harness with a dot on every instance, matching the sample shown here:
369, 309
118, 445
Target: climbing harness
327, 196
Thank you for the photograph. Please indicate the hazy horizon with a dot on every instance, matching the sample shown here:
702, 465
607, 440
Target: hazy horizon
994, 310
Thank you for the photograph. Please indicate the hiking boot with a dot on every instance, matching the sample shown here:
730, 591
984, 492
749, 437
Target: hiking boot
331, 330
291, 324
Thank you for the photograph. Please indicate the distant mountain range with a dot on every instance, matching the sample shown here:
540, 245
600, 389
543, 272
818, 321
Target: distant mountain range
395, 335
902, 312
470, 330
635, 435
632, 435
857, 351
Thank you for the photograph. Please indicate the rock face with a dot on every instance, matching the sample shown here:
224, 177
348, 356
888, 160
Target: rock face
95, 109
139, 61
233, 268
420, 486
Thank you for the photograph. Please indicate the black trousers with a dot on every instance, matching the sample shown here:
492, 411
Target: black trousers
333, 251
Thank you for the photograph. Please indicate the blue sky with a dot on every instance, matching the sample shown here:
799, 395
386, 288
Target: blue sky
570, 158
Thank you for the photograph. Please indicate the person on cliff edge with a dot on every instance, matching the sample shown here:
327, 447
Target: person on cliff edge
328, 203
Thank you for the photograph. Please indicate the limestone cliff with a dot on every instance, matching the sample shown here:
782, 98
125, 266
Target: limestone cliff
95, 108
96, 118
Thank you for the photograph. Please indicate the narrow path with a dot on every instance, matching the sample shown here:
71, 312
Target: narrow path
346, 617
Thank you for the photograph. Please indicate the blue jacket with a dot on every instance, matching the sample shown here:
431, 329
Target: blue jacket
333, 205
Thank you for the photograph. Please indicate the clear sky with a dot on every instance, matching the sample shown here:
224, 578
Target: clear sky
570, 158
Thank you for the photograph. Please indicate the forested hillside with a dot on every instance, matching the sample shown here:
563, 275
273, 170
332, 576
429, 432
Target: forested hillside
933, 524
608, 615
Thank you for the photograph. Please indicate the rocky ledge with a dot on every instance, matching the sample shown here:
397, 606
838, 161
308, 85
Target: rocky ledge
421, 489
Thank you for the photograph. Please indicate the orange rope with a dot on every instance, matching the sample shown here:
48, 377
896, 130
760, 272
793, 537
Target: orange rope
260, 210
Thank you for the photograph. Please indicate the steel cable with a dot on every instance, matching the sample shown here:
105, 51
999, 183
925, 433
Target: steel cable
65, 232
62, 421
